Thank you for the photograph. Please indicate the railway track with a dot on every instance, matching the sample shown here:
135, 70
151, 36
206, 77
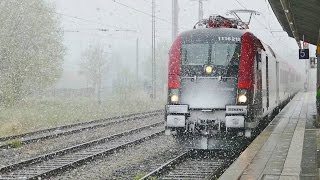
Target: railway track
55, 132
193, 165
56, 162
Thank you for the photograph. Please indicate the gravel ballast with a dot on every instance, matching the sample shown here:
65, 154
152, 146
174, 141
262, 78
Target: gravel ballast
10, 156
130, 163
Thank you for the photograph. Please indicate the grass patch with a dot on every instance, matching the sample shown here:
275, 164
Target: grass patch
138, 176
318, 139
141, 175
16, 143
34, 114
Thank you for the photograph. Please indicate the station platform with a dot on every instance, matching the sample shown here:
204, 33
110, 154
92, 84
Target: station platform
286, 149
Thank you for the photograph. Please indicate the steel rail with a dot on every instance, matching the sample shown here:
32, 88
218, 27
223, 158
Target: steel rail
166, 171
193, 165
56, 162
168, 165
55, 132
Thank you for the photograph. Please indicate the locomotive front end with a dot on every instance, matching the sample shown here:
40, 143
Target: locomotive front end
204, 94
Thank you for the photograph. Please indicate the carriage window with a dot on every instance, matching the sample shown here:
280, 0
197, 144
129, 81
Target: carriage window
195, 54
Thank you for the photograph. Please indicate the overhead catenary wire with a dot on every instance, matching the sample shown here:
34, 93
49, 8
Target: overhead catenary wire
143, 12
270, 13
264, 26
90, 21
253, 16
79, 18
104, 24
150, 4
119, 15
140, 11
97, 31
135, 29
113, 28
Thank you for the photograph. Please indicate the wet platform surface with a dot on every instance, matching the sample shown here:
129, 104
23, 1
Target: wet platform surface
286, 149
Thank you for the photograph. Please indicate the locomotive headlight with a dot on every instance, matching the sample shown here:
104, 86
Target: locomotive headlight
209, 69
242, 98
174, 98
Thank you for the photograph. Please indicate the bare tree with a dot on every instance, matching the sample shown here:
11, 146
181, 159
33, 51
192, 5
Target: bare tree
162, 51
125, 84
94, 65
31, 48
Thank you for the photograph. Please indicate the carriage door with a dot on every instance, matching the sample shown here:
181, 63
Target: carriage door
267, 80
277, 83
258, 84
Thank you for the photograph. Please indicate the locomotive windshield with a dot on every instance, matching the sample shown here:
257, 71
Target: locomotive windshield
222, 55
195, 54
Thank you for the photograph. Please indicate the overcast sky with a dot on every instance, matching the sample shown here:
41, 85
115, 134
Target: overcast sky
80, 20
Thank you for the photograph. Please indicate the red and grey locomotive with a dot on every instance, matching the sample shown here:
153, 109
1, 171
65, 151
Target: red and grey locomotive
223, 80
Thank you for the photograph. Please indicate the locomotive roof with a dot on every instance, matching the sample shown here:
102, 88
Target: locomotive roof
210, 34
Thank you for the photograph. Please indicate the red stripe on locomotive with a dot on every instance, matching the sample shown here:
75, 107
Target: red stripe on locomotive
248, 50
175, 64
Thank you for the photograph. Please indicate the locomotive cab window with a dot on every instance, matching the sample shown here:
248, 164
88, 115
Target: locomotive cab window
223, 56
222, 53
195, 54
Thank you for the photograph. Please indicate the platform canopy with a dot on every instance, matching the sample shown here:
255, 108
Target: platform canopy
299, 18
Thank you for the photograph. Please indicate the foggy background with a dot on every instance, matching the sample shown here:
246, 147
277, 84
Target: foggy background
96, 42
129, 20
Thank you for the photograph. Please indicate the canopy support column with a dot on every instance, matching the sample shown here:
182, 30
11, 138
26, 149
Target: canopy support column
318, 81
